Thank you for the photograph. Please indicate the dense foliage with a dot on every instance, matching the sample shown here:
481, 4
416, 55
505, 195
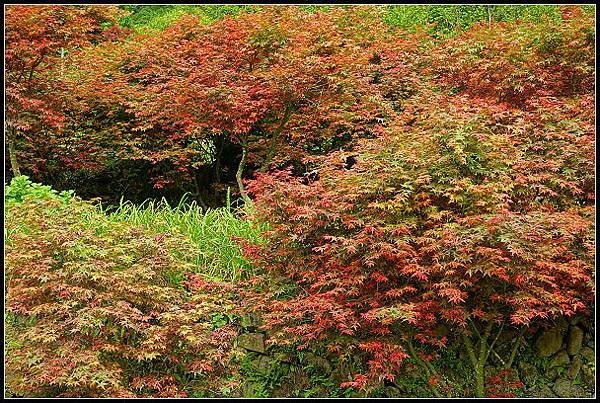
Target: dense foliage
449, 20
472, 211
524, 64
146, 17
37, 42
86, 116
262, 75
438, 222
105, 308
396, 178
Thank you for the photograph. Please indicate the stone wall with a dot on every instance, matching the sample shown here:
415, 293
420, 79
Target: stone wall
560, 361
567, 361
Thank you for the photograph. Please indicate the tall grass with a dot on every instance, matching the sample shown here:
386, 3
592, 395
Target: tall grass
212, 231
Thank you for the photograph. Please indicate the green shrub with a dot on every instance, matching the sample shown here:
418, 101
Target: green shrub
97, 308
21, 188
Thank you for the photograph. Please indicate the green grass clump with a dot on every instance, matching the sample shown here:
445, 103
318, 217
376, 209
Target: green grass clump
213, 232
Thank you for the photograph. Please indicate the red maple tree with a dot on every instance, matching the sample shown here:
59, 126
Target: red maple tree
39, 39
468, 212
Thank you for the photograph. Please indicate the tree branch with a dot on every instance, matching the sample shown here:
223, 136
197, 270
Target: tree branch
494, 342
470, 350
287, 114
429, 369
513, 353
240, 171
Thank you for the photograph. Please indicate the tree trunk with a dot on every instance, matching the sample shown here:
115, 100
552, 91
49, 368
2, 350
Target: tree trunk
12, 152
479, 381
479, 358
240, 171
515, 348
286, 117
489, 13
221, 143
62, 61
198, 195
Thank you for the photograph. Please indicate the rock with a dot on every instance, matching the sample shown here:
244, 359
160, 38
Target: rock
540, 391
549, 342
295, 382
574, 368
252, 342
319, 363
560, 359
529, 373
564, 388
574, 340
249, 389
551, 374
587, 376
588, 354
